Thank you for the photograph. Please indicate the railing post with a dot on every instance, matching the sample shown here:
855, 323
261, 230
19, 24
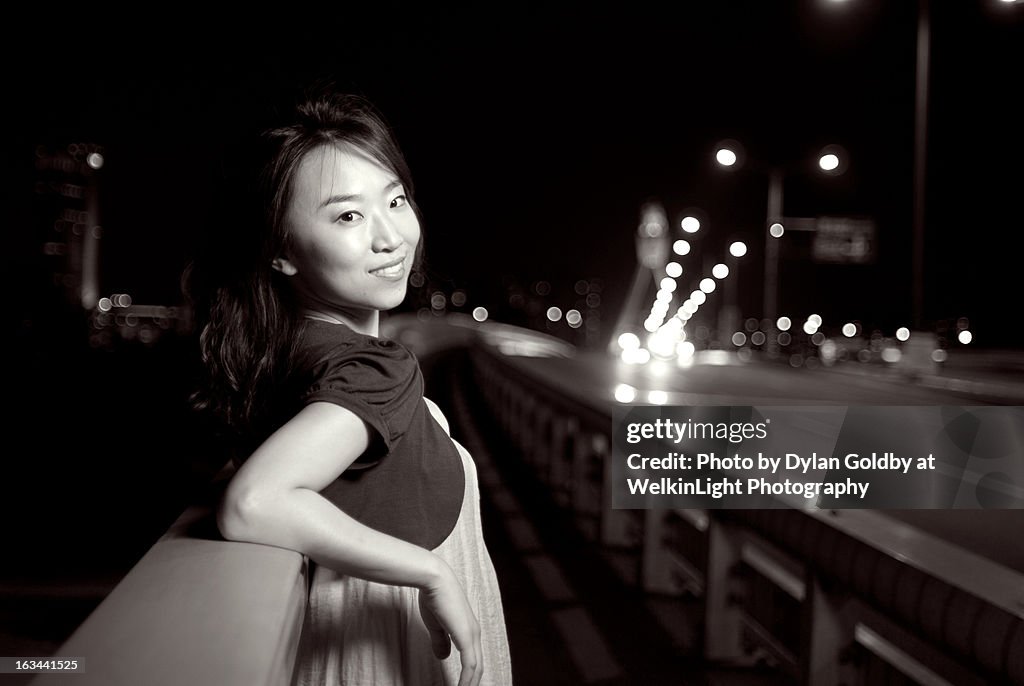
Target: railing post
723, 620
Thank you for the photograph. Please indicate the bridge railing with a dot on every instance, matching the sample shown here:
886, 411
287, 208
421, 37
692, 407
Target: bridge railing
197, 610
845, 597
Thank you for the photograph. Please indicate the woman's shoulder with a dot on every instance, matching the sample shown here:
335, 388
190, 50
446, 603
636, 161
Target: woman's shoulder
321, 339
327, 351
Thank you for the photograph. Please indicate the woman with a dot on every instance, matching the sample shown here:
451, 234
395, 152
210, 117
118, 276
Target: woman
346, 461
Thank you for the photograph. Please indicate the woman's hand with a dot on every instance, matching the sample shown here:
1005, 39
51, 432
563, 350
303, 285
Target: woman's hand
449, 618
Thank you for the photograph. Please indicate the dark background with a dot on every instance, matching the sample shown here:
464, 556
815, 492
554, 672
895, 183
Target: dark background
534, 135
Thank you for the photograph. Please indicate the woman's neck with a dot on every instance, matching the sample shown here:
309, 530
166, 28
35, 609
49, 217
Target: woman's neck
367, 322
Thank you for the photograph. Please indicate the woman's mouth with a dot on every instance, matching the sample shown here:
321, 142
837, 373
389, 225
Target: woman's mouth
392, 270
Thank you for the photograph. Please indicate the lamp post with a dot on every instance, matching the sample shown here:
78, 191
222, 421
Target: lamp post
831, 160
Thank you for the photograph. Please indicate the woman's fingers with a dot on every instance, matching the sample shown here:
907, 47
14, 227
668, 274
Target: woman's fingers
446, 605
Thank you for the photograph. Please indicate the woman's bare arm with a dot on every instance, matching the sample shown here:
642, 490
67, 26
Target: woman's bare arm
274, 499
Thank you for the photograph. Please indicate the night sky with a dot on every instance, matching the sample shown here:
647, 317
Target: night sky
535, 134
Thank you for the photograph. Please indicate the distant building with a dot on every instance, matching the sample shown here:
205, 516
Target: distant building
67, 220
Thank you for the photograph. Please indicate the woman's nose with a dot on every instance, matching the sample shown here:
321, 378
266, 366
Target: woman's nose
385, 235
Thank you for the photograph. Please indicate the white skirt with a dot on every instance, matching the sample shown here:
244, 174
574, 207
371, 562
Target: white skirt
362, 633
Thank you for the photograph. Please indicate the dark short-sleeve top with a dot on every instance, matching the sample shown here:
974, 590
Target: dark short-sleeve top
410, 482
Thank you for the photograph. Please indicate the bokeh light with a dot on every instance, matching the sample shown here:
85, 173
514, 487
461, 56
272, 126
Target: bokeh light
725, 157
629, 341
657, 397
624, 393
690, 224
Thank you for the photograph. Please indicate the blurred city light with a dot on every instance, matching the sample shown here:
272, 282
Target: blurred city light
94, 160
739, 338
725, 157
689, 307
573, 318
833, 160
681, 247
707, 285
459, 298
663, 296
661, 344
438, 301
809, 328
554, 314
891, 355
685, 350
720, 271
480, 314
965, 337
674, 269
738, 249
829, 162
668, 284
783, 324
849, 330
939, 355
690, 224
699, 297
657, 397
625, 393
104, 304
814, 319
757, 338
776, 230
903, 333
629, 341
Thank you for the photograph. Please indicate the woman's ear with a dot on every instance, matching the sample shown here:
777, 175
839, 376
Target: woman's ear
284, 265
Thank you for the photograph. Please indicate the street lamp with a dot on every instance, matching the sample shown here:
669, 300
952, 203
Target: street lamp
832, 160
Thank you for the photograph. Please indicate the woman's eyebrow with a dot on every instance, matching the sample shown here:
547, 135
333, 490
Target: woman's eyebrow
356, 196
340, 198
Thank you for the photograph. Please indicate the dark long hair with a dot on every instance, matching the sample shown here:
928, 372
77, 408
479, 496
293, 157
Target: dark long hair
247, 316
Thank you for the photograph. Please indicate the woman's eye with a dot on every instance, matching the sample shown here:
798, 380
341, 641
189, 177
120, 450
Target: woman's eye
399, 200
349, 216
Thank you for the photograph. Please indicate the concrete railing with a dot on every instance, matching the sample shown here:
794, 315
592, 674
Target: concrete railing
195, 610
847, 597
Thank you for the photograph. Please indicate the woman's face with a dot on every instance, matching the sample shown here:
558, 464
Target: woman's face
352, 233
